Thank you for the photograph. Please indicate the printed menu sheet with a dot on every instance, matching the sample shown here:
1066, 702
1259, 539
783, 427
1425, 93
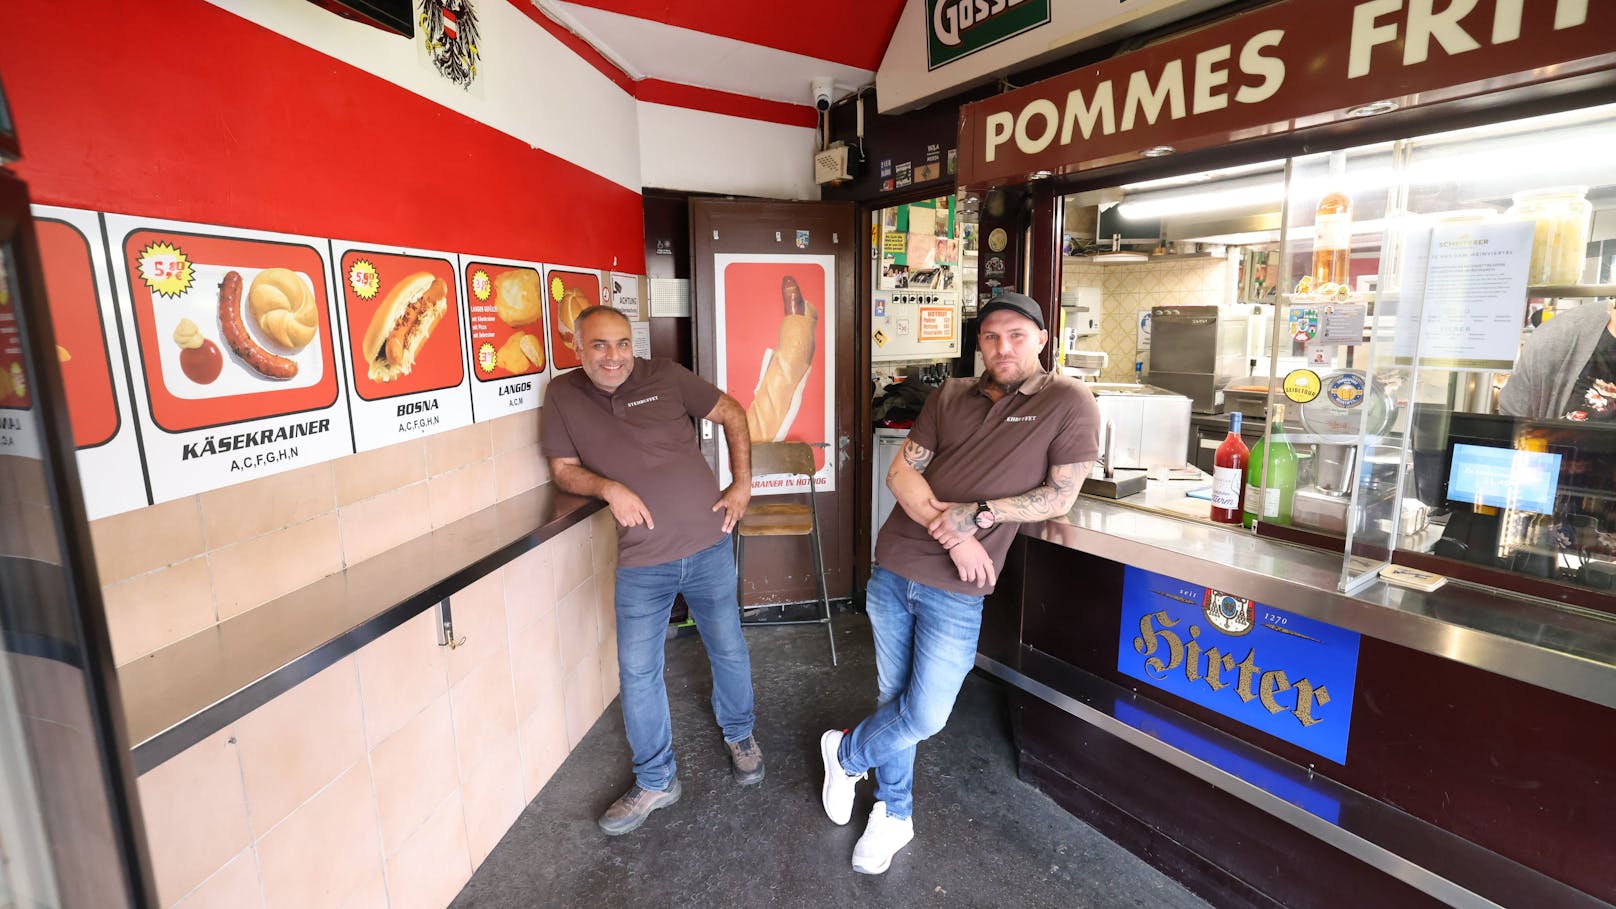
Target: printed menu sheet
505, 334
569, 291
1474, 294
73, 255
404, 350
230, 338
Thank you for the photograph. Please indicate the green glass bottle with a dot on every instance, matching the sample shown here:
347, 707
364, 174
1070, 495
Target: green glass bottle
1273, 465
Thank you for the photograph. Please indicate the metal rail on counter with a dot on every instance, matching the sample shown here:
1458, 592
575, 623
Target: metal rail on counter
191, 689
1531, 640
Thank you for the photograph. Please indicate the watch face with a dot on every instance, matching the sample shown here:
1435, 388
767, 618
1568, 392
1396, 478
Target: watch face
984, 519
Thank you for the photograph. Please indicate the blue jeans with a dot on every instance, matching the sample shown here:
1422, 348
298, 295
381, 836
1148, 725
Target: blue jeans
925, 644
644, 598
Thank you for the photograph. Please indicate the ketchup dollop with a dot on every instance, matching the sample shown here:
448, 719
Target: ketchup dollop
202, 364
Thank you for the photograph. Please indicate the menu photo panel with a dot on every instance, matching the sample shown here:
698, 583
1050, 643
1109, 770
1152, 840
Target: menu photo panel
404, 348
775, 339
231, 340
89, 348
506, 328
568, 292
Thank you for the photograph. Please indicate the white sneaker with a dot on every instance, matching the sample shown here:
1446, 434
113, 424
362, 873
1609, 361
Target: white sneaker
883, 837
837, 792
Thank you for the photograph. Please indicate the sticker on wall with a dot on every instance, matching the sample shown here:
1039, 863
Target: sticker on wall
901, 326
904, 174
625, 296
567, 292
998, 240
928, 171
72, 253
880, 338
448, 40
802, 239
937, 323
405, 352
231, 339
505, 334
880, 307
886, 167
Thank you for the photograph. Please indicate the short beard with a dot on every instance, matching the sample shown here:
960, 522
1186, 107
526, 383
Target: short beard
1005, 388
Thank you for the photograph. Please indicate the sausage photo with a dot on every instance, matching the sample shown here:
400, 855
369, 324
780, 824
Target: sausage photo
234, 331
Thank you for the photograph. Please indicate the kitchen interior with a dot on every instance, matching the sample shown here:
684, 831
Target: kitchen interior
1187, 302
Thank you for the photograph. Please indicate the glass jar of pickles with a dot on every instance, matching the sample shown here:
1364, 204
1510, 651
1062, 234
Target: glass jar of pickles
1561, 215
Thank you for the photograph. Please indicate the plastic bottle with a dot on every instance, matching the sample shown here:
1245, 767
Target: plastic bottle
1332, 229
1229, 476
1271, 479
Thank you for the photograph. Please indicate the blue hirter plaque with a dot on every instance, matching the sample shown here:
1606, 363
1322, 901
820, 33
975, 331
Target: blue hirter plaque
1288, 675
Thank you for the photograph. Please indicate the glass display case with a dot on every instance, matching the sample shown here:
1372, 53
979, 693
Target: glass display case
1431, 359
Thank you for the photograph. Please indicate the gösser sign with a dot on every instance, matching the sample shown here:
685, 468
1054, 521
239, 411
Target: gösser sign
959, 28
1294, 64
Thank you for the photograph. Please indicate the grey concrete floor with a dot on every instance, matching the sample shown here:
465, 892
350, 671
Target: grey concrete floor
982, 836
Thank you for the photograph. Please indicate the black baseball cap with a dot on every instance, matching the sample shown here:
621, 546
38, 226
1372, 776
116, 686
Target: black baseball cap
1020, 304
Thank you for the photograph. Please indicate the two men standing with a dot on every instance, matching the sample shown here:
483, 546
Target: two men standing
985, 455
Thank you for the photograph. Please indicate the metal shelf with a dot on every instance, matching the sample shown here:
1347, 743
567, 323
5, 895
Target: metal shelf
1563, 291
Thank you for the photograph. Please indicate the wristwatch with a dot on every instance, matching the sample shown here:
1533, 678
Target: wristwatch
984, 515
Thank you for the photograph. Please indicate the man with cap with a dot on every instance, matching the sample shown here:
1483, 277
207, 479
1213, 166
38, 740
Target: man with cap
984, 456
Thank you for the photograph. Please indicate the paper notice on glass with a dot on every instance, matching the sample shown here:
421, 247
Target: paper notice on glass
1405, 304
1342, 323
640, 334
1474, 295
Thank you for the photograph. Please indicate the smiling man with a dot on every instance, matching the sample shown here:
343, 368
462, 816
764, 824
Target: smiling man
620, 430
985, 455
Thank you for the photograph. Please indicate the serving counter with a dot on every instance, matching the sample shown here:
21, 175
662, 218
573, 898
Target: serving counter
1206, 697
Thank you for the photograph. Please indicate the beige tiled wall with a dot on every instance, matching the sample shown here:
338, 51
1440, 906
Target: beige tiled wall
1130, 290
387, 778
175, 569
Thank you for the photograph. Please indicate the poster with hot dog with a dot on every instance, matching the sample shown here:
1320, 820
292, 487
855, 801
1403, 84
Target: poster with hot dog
505, 334
73, 256
568, 292
775, 338
402, 320
231, 341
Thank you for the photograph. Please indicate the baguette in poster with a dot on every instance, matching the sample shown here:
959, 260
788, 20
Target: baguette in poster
402, 325
785, 368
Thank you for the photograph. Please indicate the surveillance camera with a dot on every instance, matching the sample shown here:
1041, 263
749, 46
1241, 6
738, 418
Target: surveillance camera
824, 89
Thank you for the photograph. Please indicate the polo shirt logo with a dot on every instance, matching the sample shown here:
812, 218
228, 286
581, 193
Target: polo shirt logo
642, 401
1030, 418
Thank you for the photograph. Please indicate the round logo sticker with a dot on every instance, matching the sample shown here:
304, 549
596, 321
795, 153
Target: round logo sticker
1346, 390
998, 239
1302, 385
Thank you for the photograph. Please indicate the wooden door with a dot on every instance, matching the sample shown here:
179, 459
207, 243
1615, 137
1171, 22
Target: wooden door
759, 267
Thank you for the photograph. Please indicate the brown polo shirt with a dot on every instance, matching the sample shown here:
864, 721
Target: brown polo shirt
641, 436
984, 449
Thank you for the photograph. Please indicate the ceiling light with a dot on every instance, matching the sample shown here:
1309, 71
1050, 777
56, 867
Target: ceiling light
1269, 193
1158, 151
1372, 109
1042, 174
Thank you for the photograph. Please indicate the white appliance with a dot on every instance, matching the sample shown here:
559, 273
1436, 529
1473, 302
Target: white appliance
888, 443
1151, 426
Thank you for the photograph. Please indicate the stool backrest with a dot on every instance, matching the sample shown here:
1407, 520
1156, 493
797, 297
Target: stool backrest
782, 457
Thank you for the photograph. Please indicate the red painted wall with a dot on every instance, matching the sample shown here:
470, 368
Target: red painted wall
222, 121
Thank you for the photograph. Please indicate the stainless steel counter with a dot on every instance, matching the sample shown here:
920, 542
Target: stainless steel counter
186, 691
1520, 637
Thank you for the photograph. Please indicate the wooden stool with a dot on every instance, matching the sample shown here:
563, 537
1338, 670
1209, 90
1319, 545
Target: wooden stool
785, 519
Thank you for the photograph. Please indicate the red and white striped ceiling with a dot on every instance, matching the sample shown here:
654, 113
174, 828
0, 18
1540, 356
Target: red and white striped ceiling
769, 51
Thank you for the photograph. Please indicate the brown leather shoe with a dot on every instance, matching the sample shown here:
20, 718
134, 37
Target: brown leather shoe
630, 811
746, 759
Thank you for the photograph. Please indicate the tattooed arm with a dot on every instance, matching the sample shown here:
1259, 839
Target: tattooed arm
955, 522
905, 480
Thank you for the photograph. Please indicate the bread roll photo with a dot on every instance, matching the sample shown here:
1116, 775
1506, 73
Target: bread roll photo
573, 302
518, 297
785, 368
283, 305
402, 325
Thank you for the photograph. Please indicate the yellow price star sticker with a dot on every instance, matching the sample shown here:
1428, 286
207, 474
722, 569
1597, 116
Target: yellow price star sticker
165, 269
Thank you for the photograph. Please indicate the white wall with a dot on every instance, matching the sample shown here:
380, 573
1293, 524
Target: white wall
536, 89
697, 151
533, 87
